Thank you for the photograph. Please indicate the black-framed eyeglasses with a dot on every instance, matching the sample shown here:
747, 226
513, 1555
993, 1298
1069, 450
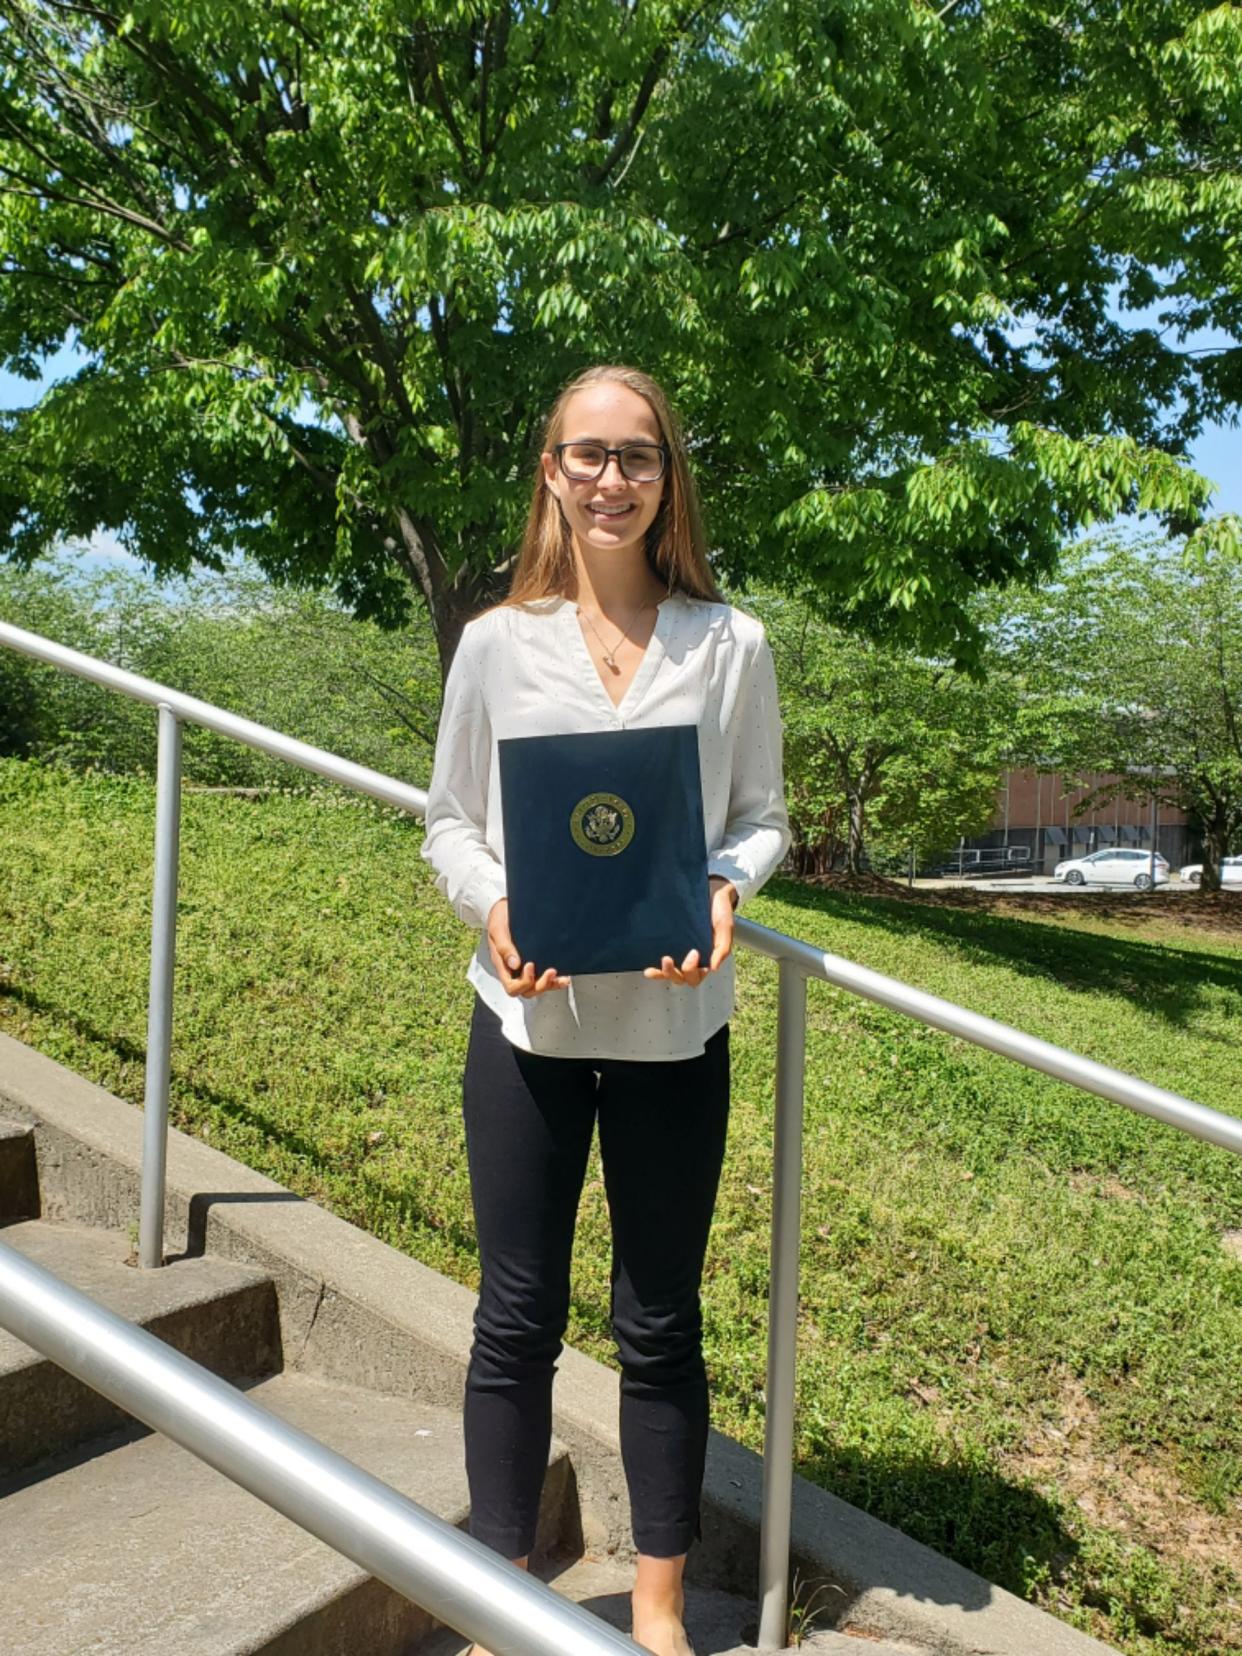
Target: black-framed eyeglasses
584, 462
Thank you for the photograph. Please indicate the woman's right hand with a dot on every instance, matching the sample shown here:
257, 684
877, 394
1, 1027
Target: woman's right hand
517, 978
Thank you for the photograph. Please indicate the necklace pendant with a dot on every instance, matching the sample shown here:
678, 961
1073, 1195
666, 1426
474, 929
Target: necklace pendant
610, 661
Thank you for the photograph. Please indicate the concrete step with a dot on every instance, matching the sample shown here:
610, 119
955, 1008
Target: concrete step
221, 1314
19, 1177
717, 1623
143, 1550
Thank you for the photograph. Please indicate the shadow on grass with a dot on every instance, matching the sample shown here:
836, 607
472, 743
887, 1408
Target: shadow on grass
969, 1514
1009, 1534
392, 1202
1165, 978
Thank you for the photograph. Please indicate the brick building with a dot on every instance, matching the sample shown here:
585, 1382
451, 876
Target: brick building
1035, 828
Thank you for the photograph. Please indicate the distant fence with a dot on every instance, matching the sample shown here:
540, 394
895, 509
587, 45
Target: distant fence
977, 862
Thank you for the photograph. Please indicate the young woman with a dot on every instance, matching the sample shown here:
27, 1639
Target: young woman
613, 621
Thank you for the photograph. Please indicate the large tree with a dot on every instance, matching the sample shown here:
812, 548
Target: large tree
1131, 663
329, 264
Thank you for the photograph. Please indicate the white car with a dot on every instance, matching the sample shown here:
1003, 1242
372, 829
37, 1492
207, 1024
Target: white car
1113, 866
1230, 871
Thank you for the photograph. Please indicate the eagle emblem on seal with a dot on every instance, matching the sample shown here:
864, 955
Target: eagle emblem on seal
602, 824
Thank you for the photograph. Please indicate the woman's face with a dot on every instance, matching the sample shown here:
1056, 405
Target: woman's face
610, 414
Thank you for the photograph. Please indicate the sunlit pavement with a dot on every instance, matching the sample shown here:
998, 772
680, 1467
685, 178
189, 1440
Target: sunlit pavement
1044, 883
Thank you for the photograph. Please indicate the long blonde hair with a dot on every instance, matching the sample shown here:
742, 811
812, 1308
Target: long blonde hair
676, 544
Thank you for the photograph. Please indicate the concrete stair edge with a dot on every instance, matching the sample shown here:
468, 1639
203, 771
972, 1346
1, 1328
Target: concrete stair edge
217, 1312
234, 1577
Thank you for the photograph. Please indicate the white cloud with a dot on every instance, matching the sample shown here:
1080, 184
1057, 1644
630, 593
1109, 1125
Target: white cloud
102, 549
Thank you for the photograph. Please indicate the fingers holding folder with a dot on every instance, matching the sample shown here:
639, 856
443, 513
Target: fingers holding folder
723, 900
520, 977
516, 976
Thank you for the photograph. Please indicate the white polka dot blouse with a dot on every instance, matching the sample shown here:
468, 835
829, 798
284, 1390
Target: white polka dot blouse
526, 671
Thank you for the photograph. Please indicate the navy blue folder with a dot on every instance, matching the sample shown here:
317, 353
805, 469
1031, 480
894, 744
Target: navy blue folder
605, 853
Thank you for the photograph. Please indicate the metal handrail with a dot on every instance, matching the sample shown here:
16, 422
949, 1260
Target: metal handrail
458, 1579
1198, 1120
796, 960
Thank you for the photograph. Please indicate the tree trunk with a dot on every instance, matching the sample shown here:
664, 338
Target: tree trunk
459, 604
854, 847
417, 552
1215, 847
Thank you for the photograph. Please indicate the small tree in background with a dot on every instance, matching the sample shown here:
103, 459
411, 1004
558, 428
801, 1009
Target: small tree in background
1132, 663
884, 750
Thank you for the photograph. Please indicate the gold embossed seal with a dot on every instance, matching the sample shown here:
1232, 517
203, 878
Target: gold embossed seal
602, 824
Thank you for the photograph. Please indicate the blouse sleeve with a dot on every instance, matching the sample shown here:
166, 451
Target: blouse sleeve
467, 871
757, 833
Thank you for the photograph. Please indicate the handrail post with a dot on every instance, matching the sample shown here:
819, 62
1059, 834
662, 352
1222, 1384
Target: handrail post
778, 1437
160, 998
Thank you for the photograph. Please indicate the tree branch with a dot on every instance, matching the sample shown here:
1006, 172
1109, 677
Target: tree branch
541, 40
38, 191
651, 77
431, 68
373, 328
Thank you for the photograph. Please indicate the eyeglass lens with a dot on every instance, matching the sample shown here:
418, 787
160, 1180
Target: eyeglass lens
640, 462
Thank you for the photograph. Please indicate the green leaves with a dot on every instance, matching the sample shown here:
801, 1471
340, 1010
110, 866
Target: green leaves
884, 749
1134, 661
1216, 543
869, 250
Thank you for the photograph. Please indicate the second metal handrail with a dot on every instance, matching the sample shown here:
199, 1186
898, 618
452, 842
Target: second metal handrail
458, 1579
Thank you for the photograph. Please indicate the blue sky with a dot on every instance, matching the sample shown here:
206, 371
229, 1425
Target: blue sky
1217, 453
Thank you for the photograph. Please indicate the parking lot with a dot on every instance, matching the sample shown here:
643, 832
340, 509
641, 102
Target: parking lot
1043, 883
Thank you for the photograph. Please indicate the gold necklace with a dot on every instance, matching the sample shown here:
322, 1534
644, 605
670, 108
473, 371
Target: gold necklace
610, 656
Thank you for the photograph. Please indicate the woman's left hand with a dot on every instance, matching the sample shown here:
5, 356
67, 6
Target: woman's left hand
723, 900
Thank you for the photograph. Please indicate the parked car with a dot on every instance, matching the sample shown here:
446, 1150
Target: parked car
1230, 871
1113, 866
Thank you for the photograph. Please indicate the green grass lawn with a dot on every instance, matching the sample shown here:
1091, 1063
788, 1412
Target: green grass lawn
1020, 1331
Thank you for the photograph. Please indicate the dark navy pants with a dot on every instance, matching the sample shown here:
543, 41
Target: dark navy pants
529, 1120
